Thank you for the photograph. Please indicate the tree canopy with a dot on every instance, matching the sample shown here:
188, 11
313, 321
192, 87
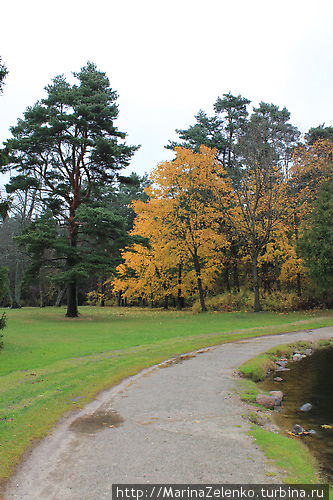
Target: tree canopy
65, 145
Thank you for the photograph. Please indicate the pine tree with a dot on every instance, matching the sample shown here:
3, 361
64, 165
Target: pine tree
68, 143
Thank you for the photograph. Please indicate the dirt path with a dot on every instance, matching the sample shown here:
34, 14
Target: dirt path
180, 424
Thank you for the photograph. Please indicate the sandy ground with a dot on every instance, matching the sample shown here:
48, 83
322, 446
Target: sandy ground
179, 424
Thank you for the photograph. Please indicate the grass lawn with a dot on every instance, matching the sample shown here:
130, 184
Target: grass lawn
52, 364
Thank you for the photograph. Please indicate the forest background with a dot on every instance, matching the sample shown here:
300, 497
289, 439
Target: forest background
240, 219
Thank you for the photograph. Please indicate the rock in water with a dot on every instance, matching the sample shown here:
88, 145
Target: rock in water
278, 395
278, 379
312, 432
297, 356
298, 429
306, 407
266, 401
282, 362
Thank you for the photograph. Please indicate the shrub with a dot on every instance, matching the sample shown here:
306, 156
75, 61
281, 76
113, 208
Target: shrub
281, 302
227, 302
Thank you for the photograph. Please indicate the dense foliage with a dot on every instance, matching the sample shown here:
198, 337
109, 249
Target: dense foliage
271, 182
232, 222
65, 146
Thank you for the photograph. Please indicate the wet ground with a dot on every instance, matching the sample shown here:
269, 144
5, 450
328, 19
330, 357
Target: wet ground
88, 424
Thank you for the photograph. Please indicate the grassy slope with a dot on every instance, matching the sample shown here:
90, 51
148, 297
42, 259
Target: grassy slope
292, 456
51, 364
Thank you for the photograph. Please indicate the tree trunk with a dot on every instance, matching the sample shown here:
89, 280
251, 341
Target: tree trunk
180, 298
235, 277
235, 272
15, 305
226, 277
255, 277
166, 302
17, 284
60, 296
199, 282
299, 287
72, 311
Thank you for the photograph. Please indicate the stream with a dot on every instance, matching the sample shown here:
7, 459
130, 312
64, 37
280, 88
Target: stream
309, 381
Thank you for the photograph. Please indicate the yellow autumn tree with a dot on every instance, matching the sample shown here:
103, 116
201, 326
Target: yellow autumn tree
183, 220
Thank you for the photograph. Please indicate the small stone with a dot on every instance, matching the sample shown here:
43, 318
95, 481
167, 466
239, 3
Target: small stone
282, 362
266, 401
312, 432
297, 356
306, 407
278, 379
298, 429
308, 352
282, 369
278, 395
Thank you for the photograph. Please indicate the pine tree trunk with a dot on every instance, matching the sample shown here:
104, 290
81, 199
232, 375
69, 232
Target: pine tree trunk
72, 311
255, 277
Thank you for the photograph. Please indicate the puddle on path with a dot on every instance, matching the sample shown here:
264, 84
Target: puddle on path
89, 424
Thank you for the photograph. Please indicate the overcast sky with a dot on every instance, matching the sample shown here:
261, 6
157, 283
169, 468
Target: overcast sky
168, 59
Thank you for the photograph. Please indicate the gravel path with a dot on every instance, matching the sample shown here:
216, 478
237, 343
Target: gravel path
178, 424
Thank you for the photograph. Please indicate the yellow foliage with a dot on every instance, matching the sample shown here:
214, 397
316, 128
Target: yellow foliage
182, 221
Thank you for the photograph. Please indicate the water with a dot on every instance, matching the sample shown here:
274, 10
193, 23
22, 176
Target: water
309, 381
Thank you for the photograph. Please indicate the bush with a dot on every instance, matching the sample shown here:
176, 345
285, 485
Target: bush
243, 301
2, 326
281, 302
227, 302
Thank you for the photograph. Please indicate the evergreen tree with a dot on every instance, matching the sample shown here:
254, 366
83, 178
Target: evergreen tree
317, 243
264, 152
3, 74
320, 132
68, 144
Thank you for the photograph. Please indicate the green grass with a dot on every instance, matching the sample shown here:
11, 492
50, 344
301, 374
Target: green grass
52, 364
292, 456
256, 368
248, 391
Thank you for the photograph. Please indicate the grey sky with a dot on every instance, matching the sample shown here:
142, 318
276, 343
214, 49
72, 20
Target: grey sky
169, 59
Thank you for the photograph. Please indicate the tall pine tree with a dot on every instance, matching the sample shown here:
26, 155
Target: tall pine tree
68, 143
